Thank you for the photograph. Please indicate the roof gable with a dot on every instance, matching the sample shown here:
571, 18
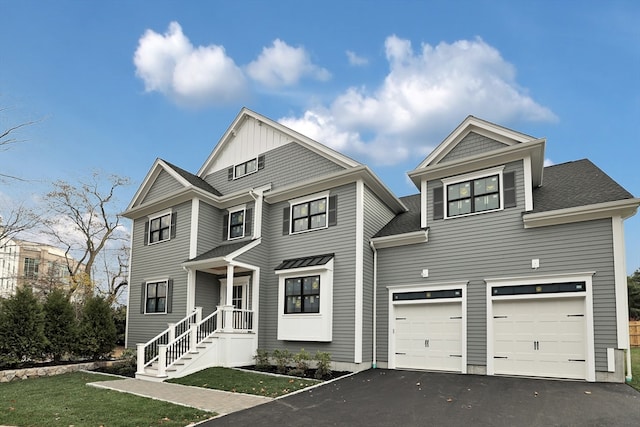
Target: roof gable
473, 125
164, 179
251, 134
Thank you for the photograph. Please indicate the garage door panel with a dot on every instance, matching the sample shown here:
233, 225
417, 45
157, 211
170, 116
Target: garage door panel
429, 336
540, 337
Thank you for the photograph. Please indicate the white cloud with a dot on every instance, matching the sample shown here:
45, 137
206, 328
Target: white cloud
548, 162
283, 65
424, 95
356, 60
192, 76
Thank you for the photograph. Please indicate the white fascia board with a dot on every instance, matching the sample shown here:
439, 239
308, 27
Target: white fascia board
229, 258
534, 149
412, 238
334, 180
158, 166
623, 208
221, 260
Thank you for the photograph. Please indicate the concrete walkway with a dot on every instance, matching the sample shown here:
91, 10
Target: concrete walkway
221, 402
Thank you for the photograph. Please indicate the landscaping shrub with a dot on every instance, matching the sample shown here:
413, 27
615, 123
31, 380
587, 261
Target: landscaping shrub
283, 360
323, 364
262, 358
60, 326
301, 361
97, 330
22, 335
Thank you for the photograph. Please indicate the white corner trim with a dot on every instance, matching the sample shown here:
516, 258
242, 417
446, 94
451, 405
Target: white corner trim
414, 237
623, 208
424, 209
528, 184
193, 234
619, 267
359, 252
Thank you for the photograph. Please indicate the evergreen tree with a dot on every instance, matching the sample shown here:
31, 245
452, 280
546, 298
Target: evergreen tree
97, 330
633, 287
59, 324
22, 335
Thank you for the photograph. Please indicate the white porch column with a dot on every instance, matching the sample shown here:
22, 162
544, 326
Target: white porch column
140, 358
228, 301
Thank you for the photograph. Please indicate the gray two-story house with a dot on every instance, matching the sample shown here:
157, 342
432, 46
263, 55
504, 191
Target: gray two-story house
498, 266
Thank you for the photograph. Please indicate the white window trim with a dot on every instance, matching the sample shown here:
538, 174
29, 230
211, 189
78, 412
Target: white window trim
470, 177
422, 287
156, 216
166, 301
306, 199
586, 277
231, 211
317, 327
244, 163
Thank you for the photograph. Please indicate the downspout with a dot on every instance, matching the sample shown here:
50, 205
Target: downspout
374, 363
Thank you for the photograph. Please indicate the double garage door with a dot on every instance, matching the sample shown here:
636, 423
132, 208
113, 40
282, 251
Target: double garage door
543, 337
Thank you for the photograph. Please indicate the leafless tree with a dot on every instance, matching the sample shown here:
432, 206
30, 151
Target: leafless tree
14, 220
9, 138
83, 220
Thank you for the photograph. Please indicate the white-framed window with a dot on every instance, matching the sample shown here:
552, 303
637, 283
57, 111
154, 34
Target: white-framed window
236, 223
473, 193
305, 303
314, 212
160, 228
246, 168
156, 297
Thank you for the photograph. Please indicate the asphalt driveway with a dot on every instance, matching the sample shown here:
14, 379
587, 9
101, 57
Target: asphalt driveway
383, 397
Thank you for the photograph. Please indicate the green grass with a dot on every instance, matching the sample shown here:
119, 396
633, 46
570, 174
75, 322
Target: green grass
66, 400
245, 382
635, 368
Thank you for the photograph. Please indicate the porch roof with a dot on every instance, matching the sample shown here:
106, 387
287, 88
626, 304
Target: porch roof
309, 261
220, 251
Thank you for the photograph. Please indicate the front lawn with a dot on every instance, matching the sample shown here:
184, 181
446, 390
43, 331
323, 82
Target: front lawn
66, 400
245, 382
635, 368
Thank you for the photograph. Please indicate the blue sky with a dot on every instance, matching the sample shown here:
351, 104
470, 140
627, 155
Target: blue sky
114, 85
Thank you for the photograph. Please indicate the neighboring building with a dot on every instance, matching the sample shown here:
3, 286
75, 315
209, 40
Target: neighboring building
40, 266
9, 259
497, 266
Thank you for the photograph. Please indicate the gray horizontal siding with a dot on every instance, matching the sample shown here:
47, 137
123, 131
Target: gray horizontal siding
339, 239
207, 292
493, 245
161, 260
163, 185
471, 145
285, 165
376, 216
209, 228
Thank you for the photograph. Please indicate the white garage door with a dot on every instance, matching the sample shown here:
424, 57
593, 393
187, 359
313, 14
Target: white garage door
429, 336
540, 337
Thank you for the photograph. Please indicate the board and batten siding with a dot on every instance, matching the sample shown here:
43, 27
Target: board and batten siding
163, 185
376, 216
493, 245
289, 164
471, 145
338, 239
158, 261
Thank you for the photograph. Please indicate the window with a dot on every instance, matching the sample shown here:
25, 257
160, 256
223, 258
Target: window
309, 215
156, 297
31, 267
477, 195
160, 228
236, 224
302, 295
246, 168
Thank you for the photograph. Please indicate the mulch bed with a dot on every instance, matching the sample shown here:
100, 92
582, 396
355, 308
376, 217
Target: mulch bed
309, 373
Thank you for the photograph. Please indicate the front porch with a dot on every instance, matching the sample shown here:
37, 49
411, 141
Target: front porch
224, 334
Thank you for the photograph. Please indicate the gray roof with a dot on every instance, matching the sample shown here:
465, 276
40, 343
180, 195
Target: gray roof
573, 184
308, 261
566, 185
194, 180
221, 251
404, 222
